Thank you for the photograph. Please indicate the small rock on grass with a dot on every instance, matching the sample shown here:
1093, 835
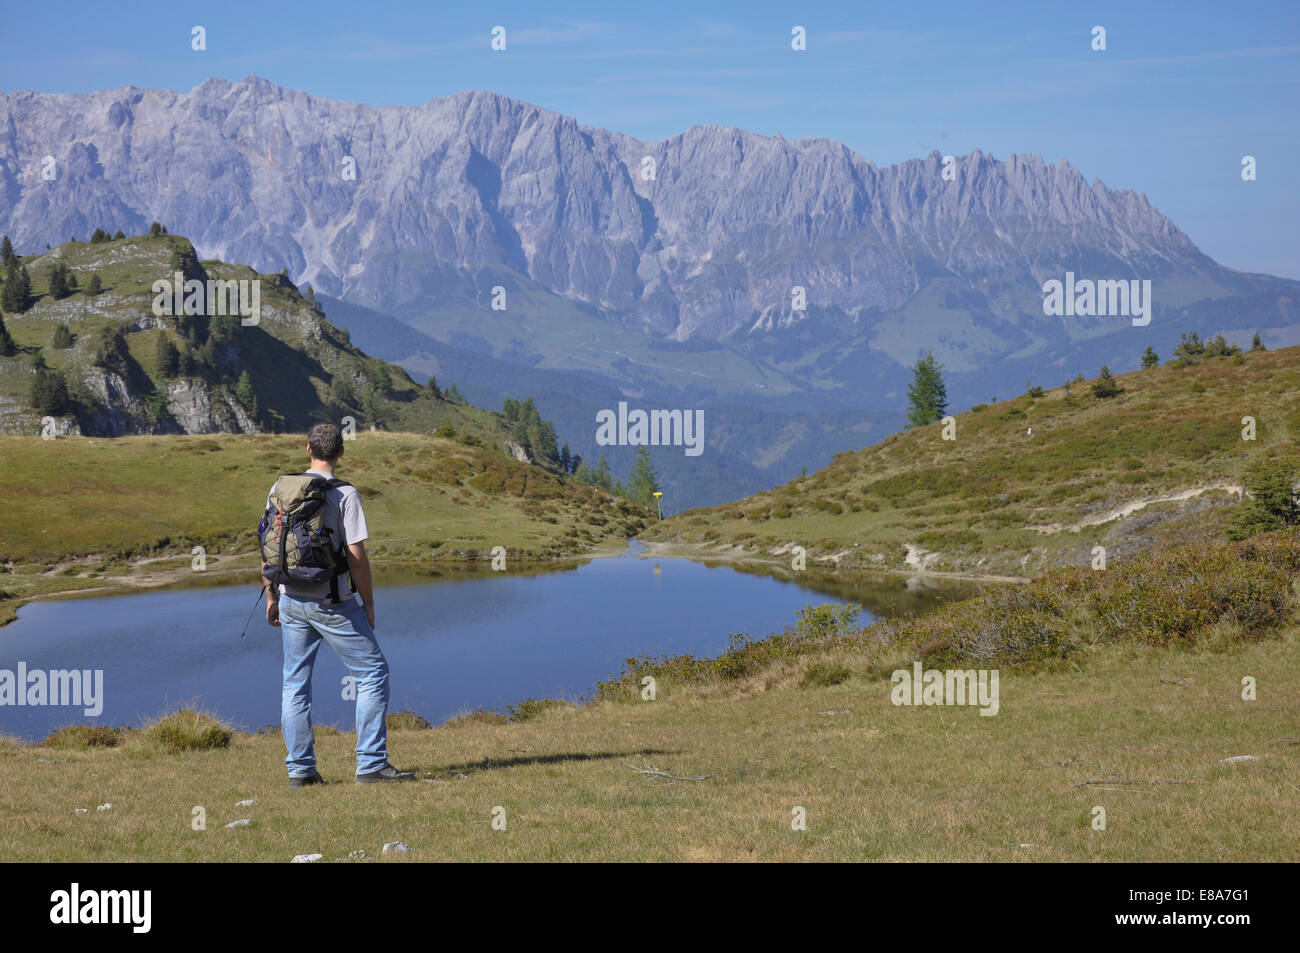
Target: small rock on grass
106, 806
306, 858
82, 810
242, 822
1238, 757
396, 847
248, 802
357, 855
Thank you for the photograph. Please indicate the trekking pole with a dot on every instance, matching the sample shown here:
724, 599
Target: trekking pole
254, 609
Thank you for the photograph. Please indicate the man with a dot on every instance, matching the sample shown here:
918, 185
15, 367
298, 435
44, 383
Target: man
307, 614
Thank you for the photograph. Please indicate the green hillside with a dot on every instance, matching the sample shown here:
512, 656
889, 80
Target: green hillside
85, 513
1029, 483
289, 370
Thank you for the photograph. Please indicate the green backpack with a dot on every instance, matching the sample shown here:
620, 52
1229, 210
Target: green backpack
298, 549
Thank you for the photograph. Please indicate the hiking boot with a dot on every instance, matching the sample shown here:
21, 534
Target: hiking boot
386, 773
302, 781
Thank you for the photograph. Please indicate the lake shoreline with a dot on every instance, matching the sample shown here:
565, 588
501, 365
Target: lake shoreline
184, 577
727, 554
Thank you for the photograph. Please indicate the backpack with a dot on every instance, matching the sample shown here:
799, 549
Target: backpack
298, 549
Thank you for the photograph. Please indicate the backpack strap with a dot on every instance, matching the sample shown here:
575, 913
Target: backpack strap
342, 567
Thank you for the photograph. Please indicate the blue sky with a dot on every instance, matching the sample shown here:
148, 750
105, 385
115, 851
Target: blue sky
1182, 92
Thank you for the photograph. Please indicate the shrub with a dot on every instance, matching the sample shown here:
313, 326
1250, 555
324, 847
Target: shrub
188, 730
826, 673
84, 736
815, 628
532, 707
406, 721
476, 718
1105, 386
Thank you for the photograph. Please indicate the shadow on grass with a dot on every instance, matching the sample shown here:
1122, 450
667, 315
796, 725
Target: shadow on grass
490, 764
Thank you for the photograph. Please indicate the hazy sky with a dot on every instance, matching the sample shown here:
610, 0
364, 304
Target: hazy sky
1181, 93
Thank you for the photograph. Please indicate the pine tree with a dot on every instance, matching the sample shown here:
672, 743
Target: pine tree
118, 234
1104, 385
7, 348
50, 393
98, 236
1149, 358
602, 476
59, 288
1271, 503
1190, 348
168, 358
208, 353
341, 393
246, 395
62, 338
6, 251
644, 482
380, 379
453, 394
16, 296
155, 229
1256, 344
566, 458
927, 397
94, 285
575, 462
541, 440
432, 386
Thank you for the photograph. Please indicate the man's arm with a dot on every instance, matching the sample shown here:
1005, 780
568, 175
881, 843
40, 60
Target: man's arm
272, 602
359, 567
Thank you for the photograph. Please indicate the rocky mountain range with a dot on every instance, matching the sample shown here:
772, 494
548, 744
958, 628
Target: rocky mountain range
717, 266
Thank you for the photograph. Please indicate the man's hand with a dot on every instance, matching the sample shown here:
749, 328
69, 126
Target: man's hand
272, 612
370, 614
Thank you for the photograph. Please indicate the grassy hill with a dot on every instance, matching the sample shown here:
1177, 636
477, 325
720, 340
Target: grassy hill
1029, 483
85, 513
300, 367
1139, 711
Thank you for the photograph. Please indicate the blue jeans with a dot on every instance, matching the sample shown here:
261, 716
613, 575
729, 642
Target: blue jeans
304, 624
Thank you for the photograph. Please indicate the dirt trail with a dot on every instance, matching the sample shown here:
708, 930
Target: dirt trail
1128, 509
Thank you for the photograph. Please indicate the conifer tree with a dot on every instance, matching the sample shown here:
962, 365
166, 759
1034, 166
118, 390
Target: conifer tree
927, 397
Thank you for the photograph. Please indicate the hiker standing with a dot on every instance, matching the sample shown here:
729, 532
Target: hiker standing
314, 561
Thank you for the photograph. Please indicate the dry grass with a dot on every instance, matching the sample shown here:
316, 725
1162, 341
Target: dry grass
878, 782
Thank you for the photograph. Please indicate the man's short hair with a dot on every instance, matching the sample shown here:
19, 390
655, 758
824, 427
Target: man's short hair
325, 442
